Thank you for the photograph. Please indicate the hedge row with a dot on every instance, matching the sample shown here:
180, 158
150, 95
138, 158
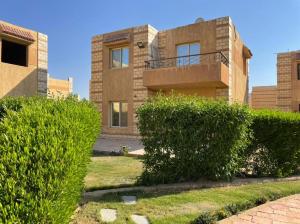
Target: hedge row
187, 138
44, 148
275, 148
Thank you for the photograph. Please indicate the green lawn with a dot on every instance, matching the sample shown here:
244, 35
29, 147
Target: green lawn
112, 171
182, 207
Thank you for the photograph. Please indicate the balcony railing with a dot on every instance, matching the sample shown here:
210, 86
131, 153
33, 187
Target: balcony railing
187, 60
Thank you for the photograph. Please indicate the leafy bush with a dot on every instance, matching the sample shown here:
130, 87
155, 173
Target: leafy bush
44, 147
186, 138
275, 149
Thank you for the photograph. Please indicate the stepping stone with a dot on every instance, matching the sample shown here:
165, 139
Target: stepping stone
129, 200
139, 219
108, 215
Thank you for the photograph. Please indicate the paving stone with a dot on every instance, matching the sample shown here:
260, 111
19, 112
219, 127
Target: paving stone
129, 200
139, 219
280, 211
108, 215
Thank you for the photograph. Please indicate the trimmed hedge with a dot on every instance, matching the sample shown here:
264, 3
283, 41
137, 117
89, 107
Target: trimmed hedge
275, 149
186, 137
44, 148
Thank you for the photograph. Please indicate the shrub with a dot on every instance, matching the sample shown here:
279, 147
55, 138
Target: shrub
232, 209
44, 147
186, 138
275, 149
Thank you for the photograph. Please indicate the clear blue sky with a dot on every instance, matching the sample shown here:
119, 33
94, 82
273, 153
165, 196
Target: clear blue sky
266, 26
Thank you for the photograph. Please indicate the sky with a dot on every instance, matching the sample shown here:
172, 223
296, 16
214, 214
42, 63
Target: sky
266, 26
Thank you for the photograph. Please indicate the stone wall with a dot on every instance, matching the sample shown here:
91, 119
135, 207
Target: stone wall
42, 67
97, 71
224, 44
148, 35
284, 81
264, 97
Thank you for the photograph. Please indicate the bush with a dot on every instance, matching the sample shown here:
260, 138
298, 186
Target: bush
186, 138
44, 148
275, 150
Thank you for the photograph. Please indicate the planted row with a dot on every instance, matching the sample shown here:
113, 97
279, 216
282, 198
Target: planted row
187, 138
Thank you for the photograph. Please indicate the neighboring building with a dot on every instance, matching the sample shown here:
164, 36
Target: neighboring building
287, 91
264, 97
23, 62
206, 58
60, 88
288, 81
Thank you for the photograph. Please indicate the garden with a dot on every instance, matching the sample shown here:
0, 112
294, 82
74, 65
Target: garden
46, 160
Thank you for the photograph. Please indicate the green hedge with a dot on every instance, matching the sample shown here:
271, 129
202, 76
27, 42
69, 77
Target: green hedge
275, 149
44, 148
186, 138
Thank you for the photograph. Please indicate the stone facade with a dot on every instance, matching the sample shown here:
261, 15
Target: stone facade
42, 64
288, 84
264, 97
145, 43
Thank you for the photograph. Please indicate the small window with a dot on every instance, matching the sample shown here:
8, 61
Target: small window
119, 114
13, 53
298, 71
188, 54
120, 57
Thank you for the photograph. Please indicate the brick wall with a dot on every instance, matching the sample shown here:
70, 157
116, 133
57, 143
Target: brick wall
284, 81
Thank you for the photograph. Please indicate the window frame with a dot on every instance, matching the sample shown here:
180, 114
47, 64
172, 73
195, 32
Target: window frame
17, 43
121, 56
120, 114
298, 71
189, 55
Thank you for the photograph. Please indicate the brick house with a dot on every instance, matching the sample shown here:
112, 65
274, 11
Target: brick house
206, 58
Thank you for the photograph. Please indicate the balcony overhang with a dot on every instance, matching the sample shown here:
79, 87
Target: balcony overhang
199, 75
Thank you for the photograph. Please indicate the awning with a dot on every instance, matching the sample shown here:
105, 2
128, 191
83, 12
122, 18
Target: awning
246, 52
5, 29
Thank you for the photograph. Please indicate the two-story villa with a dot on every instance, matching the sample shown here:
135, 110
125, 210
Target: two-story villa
206, 58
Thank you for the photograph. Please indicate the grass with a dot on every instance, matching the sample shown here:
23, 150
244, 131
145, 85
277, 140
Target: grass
112, 171
182, 207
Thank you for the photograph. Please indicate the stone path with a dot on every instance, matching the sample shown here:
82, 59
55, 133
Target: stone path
108, 215
93, 195
283, 211
139, 219
129, 200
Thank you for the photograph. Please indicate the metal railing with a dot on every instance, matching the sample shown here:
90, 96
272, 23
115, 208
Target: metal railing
187, 60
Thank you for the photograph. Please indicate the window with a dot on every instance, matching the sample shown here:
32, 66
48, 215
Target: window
119, 114
298, 71
188, 54
120, 57
14, 53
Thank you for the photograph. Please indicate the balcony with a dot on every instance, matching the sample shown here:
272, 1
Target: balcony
199, 70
